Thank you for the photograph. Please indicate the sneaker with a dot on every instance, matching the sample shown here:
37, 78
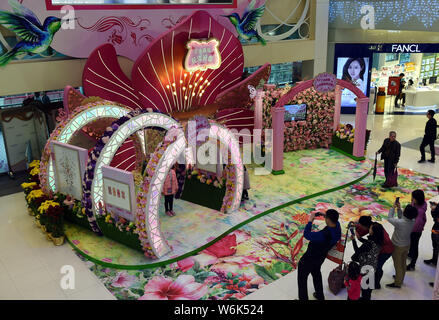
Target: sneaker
431, 160
410, 268
168, 213
173, 213
421, 161
392, 285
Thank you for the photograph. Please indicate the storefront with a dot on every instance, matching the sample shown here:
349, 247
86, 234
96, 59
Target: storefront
371, 66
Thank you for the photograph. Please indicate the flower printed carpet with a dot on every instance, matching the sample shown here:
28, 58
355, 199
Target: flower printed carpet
307, 172
259, 252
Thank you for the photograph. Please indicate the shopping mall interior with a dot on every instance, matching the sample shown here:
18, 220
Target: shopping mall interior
181, 149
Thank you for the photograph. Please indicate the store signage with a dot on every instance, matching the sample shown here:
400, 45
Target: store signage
202, 55
405, 48
325, 82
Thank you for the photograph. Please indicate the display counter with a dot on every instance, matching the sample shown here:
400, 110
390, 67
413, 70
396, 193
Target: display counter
422, 96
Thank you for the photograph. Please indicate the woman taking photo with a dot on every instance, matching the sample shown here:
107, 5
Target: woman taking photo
367, 254
418, 201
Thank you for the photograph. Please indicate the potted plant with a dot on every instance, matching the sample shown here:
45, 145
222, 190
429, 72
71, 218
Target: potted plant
55, 215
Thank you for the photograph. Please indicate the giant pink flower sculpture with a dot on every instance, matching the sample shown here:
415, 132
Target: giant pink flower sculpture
160, 81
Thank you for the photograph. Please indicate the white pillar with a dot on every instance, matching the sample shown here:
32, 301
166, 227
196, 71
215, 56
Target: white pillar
321, 36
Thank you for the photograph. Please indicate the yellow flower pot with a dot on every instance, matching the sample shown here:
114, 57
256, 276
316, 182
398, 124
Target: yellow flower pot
37, 222
58, 241
43, 227
30, 211
48, 236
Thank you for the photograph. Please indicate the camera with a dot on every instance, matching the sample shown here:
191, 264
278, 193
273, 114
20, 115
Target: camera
319, 214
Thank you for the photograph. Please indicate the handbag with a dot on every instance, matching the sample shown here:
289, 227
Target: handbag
336, 276
392, 179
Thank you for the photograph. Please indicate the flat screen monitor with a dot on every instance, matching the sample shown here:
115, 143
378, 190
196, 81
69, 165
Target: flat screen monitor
433, 80
295, 112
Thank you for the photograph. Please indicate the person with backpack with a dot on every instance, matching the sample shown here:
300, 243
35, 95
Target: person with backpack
319, 245
367, 254
362, 229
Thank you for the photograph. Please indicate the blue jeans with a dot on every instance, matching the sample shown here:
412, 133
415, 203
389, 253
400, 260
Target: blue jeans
382, 258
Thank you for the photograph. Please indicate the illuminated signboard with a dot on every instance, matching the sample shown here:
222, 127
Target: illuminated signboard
202, 55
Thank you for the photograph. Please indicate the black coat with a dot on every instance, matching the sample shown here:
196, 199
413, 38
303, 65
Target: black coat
390, 151
431, 129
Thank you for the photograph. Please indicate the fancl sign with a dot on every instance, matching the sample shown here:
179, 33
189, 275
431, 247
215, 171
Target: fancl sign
405, 48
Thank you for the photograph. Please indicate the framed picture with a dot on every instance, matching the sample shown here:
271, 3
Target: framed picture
69, 165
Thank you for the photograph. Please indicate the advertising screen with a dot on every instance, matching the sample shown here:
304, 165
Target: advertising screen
295, 112
355, 70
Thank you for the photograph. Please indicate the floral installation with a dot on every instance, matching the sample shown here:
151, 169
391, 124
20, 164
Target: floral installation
313, 133
202, 123
29, 186
345, 132
230, 177
206, 177
120, 223
141, 196
91, 164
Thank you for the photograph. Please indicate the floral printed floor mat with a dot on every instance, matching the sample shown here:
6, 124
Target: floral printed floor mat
261, 251
306, 172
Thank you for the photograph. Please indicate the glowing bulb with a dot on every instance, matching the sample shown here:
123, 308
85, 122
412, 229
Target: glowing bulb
201, 87
201, 79
193, 94
205, 81
196, 76
190, 86
184, 88
173, 84
175, 93
167, 86
185, 75
185, 97
181, 81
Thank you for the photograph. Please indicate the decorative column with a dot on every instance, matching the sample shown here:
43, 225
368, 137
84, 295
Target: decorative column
258, 109
360, 127
338, 90
277, 115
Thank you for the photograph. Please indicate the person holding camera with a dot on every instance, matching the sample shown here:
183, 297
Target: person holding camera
319, 245
362, 228
367, 254
403, 224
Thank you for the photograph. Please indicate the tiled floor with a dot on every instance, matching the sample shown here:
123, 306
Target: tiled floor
30, 266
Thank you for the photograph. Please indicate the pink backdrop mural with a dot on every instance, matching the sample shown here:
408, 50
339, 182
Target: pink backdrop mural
129, 30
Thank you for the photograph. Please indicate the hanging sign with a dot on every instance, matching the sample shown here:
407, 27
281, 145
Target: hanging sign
202, 55
325, 82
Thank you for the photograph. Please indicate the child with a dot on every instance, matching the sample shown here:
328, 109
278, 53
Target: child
170, 188
246, 185
353, 281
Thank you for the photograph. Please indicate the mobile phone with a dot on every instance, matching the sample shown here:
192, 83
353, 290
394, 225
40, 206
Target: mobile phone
319, 214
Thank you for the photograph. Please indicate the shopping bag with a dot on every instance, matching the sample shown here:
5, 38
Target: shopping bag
392, 178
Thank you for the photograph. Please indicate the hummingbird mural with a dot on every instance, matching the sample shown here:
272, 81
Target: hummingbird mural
35, 37
246, 25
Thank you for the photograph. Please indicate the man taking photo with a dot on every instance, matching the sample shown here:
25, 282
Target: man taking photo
319, 245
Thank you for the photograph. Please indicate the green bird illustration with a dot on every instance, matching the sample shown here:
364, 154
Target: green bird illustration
245, 26
35, 38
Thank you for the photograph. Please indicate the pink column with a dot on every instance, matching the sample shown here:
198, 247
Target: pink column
258, 109
278, 126
337, 110
360, 126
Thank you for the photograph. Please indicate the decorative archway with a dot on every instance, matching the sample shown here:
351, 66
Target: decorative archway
360, 118
150, 235
64, 132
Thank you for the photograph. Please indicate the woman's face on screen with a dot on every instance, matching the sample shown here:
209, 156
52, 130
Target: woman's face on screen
354, 70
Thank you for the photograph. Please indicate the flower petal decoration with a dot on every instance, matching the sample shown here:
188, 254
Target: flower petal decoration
163, 83
103, 77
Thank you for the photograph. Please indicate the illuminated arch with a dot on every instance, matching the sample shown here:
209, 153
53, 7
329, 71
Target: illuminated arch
153, 185
66, 130
105, 150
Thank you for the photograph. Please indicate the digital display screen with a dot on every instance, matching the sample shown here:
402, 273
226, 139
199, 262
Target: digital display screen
295, 112
355, 70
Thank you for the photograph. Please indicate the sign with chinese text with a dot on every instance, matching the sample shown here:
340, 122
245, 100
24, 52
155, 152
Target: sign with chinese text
325, 82
202, 55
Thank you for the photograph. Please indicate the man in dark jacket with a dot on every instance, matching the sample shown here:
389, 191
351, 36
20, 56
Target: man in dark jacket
390, 153
319, 245
429, 137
